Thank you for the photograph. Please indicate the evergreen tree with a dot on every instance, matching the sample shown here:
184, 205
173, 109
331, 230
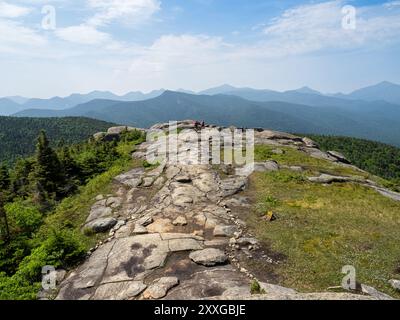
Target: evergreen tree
70, 169
4, 177
20, 177
4, 228
47, 175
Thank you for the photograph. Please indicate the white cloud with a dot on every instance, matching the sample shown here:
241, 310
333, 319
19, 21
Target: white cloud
128, 11
83, 34
131, 12
15, 38
11, 11
171, 52
282, 54
315, 27
392, 4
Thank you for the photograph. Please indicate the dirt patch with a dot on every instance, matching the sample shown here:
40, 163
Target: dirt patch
213, 291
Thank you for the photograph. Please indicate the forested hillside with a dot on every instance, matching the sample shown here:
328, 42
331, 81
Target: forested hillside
18, 135
42, 201
375, 157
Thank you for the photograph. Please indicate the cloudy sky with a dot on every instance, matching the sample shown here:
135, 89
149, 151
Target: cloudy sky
58, 47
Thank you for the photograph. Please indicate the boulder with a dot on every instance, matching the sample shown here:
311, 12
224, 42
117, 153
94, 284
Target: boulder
119, 130
387, 193
145, 221
147, 182
318, 154
183, 178
271, 165
159, 288
233, 185
131, 178
97, 212
180, 221
276, 135
375, 293
327, 178
309, 143
224, 231
160, 226
184, 244
275, 289
395, 284
119, 290
101, 225
139, 229
114, 202
246, 241
99, 135
340, 157
209, 257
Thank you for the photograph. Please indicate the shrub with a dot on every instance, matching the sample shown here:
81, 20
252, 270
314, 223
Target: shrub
23, 216
255, 288
62, 248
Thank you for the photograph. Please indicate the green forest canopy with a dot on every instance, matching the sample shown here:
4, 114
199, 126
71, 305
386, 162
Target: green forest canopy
375, 157
18, 135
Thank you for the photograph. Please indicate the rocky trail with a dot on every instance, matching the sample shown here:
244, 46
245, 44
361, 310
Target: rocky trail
178, 231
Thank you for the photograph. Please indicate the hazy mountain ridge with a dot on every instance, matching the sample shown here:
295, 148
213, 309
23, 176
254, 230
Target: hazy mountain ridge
384, 91
350, 119
11, 105
365, 113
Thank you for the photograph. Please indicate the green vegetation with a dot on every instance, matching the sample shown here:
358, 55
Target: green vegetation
45, 199
255, 288
17, 135
375, 157
292, 157
319, 229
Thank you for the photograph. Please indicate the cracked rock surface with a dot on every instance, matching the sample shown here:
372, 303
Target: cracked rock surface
175, 231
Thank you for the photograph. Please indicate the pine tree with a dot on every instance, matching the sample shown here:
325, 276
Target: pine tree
70, 169
4, 228
4, 177
20, 177
47, 176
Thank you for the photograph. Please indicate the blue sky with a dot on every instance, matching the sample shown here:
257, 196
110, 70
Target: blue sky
128, 45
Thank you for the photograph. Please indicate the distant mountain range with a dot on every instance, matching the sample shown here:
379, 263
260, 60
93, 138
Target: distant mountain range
371, 113
384, 91
348, 118
11, 105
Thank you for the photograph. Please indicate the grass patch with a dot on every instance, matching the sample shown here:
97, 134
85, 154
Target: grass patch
293, 157
322, 228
